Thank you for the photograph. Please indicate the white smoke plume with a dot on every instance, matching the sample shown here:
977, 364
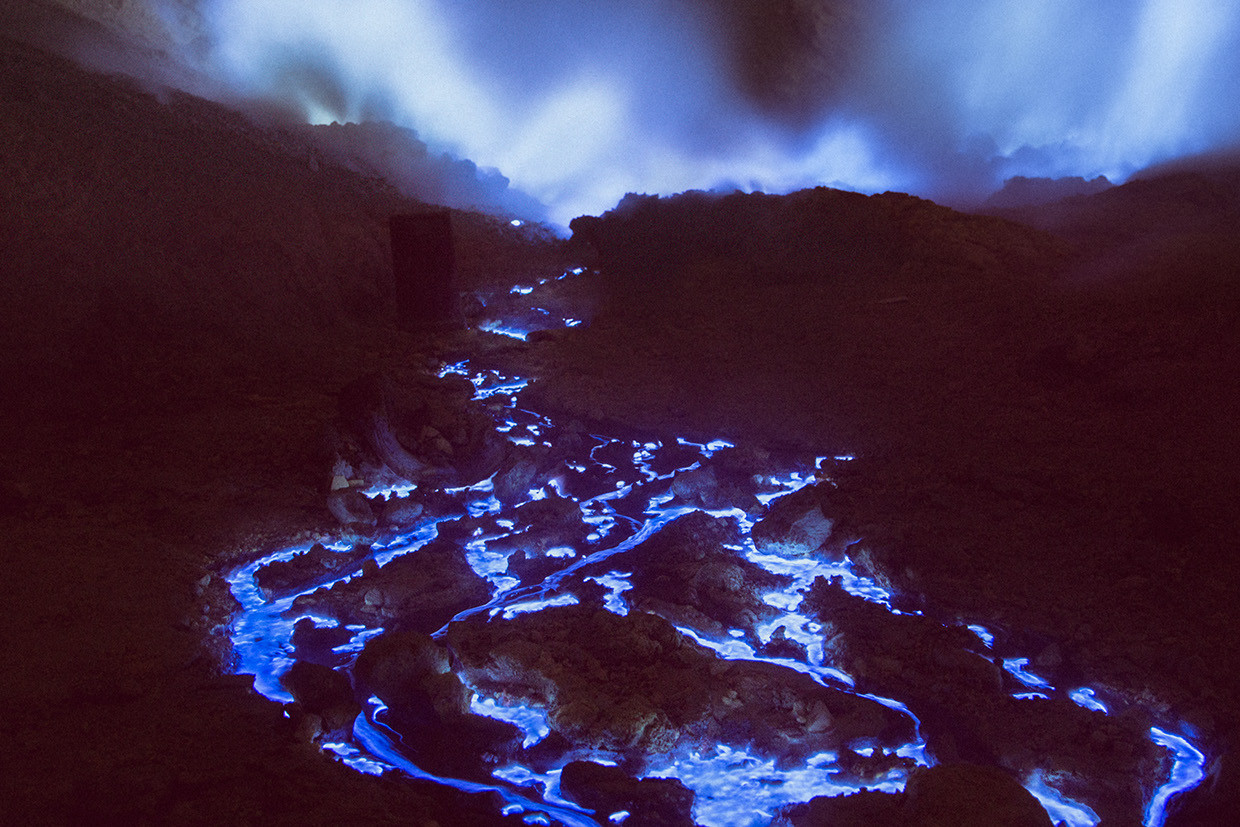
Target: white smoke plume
578, 103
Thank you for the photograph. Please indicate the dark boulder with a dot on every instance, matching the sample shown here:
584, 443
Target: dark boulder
317, 644
399, 513
351, 508
795, 525
653, 802
305, 569
397, 667
951, 795
428, 430
965, 795
324, 693
863, 809
688, 574
430, 707
420, 591
519, 473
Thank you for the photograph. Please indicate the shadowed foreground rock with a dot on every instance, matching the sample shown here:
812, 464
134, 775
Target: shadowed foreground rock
428, 431
658, 802
423, 268
949, 795
947, 678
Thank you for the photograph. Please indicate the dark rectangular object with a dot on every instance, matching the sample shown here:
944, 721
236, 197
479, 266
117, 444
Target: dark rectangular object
423, 265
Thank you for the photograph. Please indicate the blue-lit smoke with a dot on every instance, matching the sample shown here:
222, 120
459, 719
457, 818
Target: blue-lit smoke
576, 104
579, 103
995, 88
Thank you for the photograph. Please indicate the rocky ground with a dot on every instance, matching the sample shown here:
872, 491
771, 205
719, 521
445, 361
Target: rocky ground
1043, 417
165, 397
1044, 422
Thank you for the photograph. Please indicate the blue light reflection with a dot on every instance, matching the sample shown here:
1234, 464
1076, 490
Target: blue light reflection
623, 502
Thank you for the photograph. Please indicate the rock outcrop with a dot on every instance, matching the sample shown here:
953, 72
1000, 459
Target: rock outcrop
949, 795
419, 591
635, 686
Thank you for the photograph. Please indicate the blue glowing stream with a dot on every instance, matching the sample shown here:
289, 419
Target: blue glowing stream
625, 502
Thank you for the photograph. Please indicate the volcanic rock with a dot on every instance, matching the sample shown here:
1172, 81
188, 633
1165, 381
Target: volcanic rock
398, 666
399, 513
351, 508
429, 706
964, 795
687, 574
551, 512
324, 692
673, 456
720, 482
533, 568
545, 524
428, 431
419, 591
315, 644
863, 809
948, 795
634, 685
657, 802
517, 475
795, 525
781, 646
304, 569
698, 486
872, 643
950, 683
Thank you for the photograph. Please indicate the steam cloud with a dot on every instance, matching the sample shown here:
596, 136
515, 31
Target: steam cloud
579, 103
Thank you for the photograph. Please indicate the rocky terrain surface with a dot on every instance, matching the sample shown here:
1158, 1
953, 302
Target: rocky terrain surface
186, 295
1042, 415
1043, 421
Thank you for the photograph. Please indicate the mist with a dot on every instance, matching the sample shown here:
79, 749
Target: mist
577, 104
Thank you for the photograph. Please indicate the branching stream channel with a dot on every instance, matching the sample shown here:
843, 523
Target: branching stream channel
600, 628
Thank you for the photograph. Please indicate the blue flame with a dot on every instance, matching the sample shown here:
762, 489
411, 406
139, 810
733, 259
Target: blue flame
1061, 809
1087, 698
630, 505
530, 720
1016, 667
1187, 770
737, 789
983, 634
382, 743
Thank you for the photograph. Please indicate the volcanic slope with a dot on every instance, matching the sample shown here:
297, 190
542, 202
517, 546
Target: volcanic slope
185, 292
1043, 419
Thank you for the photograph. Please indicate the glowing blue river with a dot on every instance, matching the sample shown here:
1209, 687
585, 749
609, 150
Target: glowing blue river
624, 489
